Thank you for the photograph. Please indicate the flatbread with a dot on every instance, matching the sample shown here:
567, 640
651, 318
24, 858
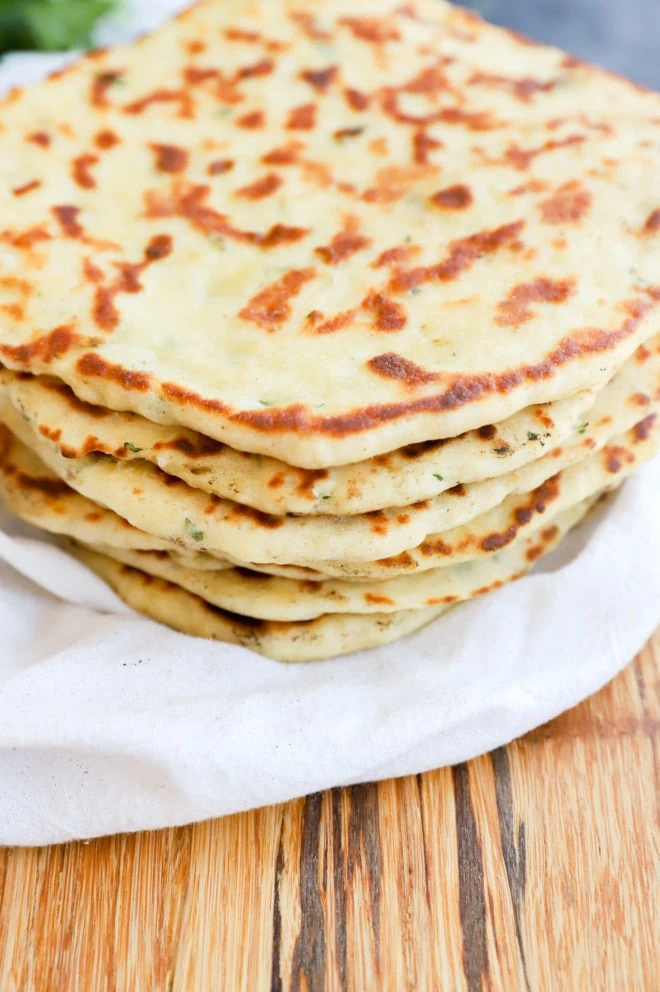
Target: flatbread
270, 598
516, 516
165, 506
311, 640
323, 234
37, 496
413, 473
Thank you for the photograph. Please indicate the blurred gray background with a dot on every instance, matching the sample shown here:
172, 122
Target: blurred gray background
623, 35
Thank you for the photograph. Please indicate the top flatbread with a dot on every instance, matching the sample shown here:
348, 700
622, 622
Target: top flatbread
322, 232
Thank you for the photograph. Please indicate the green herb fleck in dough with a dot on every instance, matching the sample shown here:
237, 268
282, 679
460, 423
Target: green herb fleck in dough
132, 447
264, 403
505, 450
582, 428
531, 436
415, 291
193, 531
438, 477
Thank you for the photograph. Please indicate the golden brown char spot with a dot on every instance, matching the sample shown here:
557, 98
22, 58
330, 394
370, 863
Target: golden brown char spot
378, 523
263, 67
374, 600
220, 166
372, 29
487, 432
336, 323
550, 533
393, 183
456, 197
344, 244
516, 309
50, 487
302, 118
276, 481
393, 366
308, 479
163, 95
105, 312
67, 217
535, 552
44, 348
347, 132
414, 451
615, 458
92, 517
404, 560
100, 86
26, 188
356, 99
271, 307
190, 203
265, 520
308, 25
463, 253
644, 428
545, 494
481, 120
533, 186
640, 399
652, 223
41, 138
92, 364
395, 256
387, 314
251, 121
198, 447
106, 139
423, 145
320, 79
195, 46
286, 155
379, 146
240, 34
80, 171
522, 89
13, 310
169, 158
260, 188
520, 158
434, 547
567, 206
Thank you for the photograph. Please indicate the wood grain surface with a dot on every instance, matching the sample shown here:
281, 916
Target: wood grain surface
533, 868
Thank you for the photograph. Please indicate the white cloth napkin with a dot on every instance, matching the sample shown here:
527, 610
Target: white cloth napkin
111, 723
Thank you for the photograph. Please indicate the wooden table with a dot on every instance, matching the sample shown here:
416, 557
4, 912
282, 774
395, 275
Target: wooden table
532, 868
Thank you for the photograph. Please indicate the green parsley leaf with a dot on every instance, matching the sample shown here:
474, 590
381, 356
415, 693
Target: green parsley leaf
193, 531
264, 403
438, 477
49, 25
582, 428
505, 450
132, 447
531, 436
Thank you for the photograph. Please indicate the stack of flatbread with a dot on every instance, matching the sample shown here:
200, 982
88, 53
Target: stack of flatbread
317, 318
